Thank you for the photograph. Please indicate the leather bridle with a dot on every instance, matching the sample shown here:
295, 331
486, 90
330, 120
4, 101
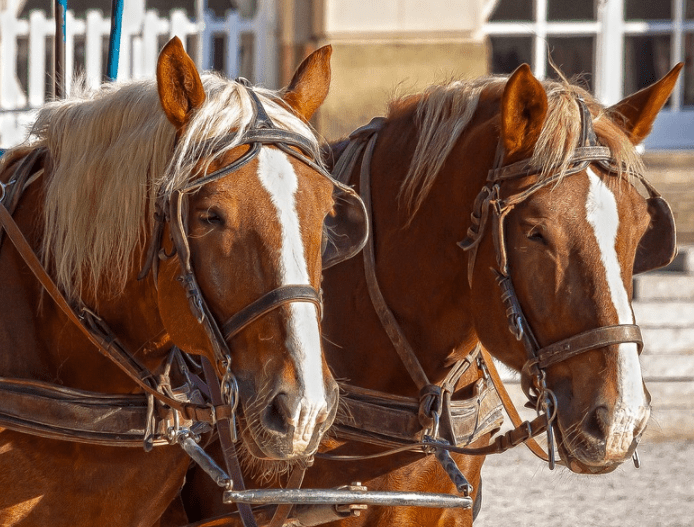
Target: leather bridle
490, 202
262, 131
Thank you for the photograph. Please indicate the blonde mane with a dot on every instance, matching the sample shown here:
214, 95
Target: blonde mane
443, 112
111, 153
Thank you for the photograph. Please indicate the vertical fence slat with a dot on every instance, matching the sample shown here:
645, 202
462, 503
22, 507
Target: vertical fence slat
150, 33
179, 25
206, 38
265, 41
141, 30
233, 41
136, 66
93, 41
71, 29
11, 93
38, 29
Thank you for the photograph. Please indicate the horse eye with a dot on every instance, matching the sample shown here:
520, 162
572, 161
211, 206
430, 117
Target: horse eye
211, 217
536, 235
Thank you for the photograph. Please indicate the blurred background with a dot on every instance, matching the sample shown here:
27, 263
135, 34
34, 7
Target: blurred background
387, 48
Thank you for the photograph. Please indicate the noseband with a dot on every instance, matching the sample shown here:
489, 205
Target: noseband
490, 202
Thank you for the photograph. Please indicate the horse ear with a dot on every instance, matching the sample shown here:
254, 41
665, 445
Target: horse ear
310, 84
640, 109
179, 85
523, 111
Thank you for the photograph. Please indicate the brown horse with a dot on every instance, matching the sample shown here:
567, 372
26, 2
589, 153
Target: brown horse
537, 181
226, 179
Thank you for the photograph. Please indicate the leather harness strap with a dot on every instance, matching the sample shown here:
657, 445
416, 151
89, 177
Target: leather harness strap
226, 441
510, 408
385, 315
107, 344
434, 400
390, 421
12, 190
58, 412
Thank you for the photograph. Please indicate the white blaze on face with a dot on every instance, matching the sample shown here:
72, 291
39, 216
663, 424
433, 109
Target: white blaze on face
277, 175
631, 407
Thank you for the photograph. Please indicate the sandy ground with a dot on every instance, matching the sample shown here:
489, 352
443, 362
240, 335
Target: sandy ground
519, 490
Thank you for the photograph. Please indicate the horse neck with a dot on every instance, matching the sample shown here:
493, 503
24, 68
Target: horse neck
38, 341
420, 269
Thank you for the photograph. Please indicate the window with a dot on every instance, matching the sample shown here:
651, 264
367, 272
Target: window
612, 48
544, 32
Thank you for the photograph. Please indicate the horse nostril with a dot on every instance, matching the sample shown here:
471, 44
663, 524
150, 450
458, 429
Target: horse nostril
279, 414
597, 424
323, 415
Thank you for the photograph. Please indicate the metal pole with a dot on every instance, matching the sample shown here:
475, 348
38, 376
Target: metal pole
340, 497
114, 39
60, 9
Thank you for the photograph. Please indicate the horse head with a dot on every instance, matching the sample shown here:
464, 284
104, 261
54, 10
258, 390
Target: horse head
566, 231
247, 234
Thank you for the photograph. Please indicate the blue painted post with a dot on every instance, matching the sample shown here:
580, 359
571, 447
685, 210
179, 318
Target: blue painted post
60, 9
114, 39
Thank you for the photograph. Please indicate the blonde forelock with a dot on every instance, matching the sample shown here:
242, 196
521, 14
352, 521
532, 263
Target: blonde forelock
112, 151
442, 113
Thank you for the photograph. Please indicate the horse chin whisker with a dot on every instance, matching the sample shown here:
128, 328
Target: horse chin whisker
265, 471
343, 415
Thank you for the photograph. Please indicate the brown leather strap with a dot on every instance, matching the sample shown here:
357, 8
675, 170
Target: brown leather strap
524, 433
231, 459
390, 420
588, 340
385, 315
282, 511
357, 141
12, 190
516, 420
109, 346
58, 412
197, 303
269, 301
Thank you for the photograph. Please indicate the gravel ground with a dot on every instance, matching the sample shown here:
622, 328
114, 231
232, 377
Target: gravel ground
519, 490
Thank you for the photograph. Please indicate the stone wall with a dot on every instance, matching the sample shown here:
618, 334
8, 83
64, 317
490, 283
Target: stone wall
672, 173
368, 74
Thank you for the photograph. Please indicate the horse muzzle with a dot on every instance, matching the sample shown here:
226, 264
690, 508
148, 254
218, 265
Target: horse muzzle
288, 426
603, 439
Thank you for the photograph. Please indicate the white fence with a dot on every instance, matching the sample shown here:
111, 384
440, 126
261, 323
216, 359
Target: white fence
234, 45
